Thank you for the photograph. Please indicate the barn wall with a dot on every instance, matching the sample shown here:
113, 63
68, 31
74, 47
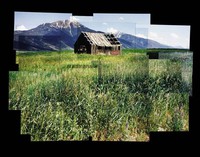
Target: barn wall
93, 49
114, 50
117, 52
82, 41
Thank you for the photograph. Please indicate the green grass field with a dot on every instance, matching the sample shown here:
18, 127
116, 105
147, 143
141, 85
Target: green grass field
65, 96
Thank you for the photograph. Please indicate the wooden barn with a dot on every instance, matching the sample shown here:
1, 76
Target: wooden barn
96, 43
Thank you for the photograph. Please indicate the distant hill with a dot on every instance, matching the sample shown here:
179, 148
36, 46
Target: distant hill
61, 35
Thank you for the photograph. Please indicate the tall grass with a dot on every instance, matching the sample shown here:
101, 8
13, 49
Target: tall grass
67, 96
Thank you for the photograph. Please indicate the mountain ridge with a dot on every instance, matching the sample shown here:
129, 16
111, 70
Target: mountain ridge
61, 35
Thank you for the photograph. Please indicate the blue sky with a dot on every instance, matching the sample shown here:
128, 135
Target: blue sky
135, 24
29, 20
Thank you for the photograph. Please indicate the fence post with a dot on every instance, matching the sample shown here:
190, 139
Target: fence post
99, 71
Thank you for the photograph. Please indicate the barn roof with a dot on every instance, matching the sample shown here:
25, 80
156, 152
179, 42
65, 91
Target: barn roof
101, 39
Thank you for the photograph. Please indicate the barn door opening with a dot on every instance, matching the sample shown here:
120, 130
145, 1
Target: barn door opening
82, 49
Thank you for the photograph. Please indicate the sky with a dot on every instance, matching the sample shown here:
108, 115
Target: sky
102, 22
172, 35
135, 24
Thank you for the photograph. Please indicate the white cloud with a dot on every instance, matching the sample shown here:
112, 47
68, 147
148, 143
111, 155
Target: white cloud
171, 39
153, 35
104, 23
174, 35
21, 28
73, 19
121, 18
141, 36
112, 30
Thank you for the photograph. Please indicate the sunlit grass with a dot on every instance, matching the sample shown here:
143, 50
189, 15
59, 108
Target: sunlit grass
65, 96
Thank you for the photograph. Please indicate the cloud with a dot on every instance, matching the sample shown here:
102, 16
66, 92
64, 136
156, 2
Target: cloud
73, 19
174, 35
153, 35
112, 30
121, 18
141, 36
171, 39
104, 23
21, 28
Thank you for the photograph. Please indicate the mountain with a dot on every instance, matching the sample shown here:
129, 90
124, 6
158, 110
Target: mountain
49, 36
130, 41
63, 34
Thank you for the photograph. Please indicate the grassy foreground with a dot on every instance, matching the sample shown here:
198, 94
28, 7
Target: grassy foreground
65, 96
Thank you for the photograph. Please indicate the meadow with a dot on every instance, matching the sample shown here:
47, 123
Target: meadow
67, 96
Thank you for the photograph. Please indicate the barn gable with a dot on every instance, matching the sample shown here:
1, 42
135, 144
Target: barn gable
95, 43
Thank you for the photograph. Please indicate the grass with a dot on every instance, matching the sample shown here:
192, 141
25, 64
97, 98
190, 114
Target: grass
128, 51
65, 96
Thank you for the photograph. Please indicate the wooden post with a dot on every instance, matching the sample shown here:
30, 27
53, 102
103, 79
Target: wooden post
100, 71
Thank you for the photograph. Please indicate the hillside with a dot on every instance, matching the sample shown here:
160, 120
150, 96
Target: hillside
61, 35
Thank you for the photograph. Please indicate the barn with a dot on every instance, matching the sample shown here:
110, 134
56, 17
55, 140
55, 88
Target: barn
97, 43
